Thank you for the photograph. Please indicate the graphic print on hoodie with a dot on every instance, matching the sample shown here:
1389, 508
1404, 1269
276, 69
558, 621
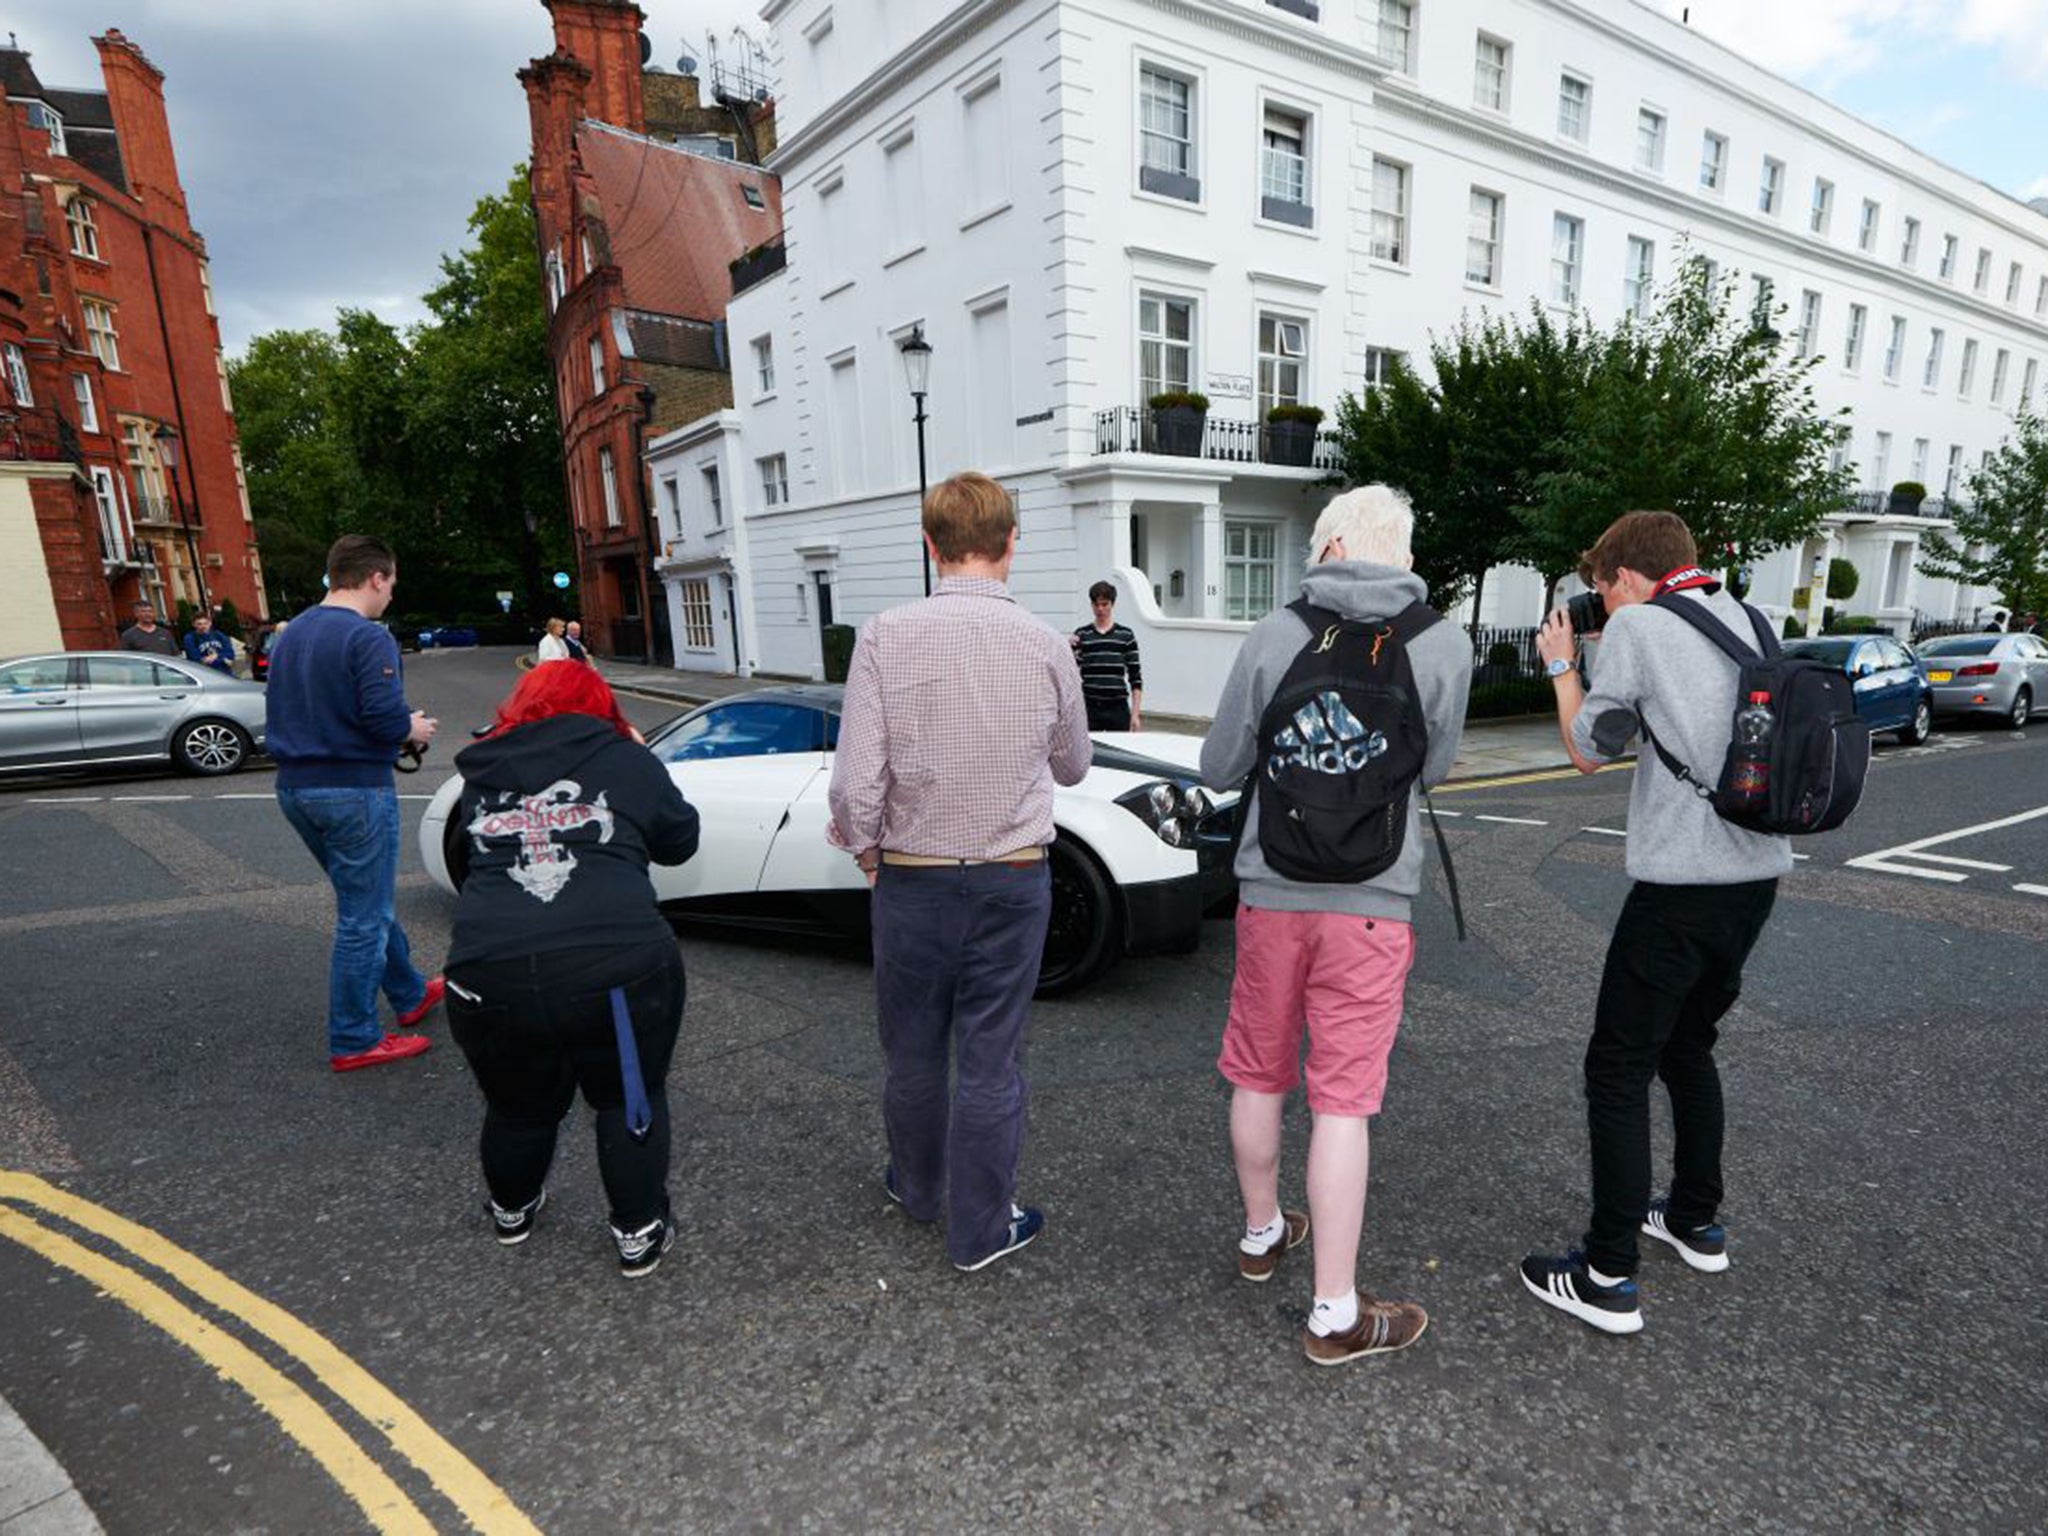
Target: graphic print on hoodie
546, 827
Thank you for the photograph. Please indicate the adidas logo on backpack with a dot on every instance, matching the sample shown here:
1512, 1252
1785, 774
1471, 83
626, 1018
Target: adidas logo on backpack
1325, 737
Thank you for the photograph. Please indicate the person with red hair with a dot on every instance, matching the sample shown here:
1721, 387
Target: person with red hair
562, 972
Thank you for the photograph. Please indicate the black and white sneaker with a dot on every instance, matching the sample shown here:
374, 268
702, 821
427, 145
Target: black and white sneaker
515, 1227
1704, 1248
1565, 1284
640, 1252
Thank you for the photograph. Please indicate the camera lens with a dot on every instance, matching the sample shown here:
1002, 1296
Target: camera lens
1588, 614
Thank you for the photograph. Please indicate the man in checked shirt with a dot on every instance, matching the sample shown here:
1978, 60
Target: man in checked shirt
961, 712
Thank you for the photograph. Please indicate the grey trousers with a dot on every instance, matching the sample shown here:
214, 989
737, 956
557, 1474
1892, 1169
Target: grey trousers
956, 962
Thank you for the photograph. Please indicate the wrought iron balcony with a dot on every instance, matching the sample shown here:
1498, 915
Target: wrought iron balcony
37, 434
1137, 429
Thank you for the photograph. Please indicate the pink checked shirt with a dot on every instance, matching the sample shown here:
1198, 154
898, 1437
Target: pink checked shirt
961, 712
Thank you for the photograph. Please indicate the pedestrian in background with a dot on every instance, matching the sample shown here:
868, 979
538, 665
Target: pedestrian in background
572, 637
1112, 683
210, 647
961, 712
145, 634
336, 719
562, 972
1703, 891
1327, 950
552, 646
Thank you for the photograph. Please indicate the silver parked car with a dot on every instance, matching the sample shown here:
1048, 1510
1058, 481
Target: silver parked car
2002, 675
84, 709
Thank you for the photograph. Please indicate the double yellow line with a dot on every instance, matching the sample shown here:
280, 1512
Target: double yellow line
481, 1502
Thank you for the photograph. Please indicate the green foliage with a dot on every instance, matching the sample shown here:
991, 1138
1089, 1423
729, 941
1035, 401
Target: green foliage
1795, 627
2006, 518
440, 439
1312, 414
1912, 490
1843, 579
228, 618
1538, 432
1168, 399
182, 620
1853, 624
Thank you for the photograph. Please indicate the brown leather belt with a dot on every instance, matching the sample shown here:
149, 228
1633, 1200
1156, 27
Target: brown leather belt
1022, 858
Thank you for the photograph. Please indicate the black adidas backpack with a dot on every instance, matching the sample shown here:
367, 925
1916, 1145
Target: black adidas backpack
1819, 748
1340, 743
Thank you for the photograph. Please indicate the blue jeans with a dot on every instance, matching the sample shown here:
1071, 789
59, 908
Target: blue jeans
354, 835
956, 962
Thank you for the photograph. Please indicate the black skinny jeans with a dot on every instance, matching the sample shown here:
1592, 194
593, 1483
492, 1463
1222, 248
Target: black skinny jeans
1674, 969
542, 1028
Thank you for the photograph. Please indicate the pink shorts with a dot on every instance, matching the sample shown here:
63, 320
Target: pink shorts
1341, 976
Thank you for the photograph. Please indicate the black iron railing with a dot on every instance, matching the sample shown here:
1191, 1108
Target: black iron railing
762, 261
1507, 673
1927, 627
1136, 429
37, 434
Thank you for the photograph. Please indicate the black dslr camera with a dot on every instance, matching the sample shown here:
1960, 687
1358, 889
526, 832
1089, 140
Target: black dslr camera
1587, 612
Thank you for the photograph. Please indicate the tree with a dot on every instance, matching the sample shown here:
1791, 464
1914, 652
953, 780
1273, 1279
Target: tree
2001, 531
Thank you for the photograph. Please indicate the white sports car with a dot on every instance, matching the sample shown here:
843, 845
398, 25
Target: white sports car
1142, 850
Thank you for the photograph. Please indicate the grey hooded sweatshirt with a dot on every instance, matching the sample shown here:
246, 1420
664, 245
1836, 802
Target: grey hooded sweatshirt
1442, 660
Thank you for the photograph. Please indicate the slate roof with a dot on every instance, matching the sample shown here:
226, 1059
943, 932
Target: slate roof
82, 109
676, 219
17, 75
99, 152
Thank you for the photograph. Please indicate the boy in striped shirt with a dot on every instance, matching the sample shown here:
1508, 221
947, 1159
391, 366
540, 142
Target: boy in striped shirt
1111, 684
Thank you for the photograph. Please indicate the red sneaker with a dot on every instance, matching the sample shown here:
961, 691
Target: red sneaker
437, 988
390, 1048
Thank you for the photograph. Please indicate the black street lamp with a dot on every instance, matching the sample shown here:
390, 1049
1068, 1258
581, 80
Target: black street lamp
917, 368
167, 453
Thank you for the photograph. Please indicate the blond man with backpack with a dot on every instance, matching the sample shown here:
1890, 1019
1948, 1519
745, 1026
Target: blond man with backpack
1341, 708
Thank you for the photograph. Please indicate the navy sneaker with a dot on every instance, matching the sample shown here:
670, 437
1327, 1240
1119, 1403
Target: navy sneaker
640, 1251
1025, 1225
1565, 1284
515, 1227
1704, 1248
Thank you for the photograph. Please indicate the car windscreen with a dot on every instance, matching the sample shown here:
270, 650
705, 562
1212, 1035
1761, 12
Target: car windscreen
745, 728
1833, 652
1961, 645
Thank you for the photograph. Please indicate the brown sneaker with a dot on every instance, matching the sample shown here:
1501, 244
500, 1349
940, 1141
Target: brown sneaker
1258, 1267
1382, 1328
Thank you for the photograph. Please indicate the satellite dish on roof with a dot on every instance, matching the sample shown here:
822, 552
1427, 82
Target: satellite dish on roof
686, 65
646, 48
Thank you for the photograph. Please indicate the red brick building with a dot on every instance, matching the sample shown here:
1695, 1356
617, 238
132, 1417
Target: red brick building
643, 196
112, 354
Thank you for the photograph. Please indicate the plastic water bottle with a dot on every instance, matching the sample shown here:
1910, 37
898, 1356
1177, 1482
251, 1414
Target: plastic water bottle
1754, 724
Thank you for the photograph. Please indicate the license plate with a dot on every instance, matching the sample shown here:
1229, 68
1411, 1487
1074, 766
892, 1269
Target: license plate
1939, 677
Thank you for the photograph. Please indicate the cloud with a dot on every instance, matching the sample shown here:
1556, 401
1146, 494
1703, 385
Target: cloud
1824, 42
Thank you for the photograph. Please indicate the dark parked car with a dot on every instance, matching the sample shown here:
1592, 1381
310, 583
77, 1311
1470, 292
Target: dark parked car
2000, 675
446, 637
1891, 695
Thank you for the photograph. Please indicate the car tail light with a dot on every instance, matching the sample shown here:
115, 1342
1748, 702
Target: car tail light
1981, 669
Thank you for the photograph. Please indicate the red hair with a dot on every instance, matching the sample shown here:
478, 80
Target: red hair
561, 688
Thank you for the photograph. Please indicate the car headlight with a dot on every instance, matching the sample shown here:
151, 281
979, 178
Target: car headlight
1170, 810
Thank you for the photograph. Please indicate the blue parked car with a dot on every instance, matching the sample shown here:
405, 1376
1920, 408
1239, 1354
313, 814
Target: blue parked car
447, 636
1891, 695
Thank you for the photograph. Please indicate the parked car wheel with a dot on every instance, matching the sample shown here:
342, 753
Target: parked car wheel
1922, 726
2022, 708
209, 748
1085, 934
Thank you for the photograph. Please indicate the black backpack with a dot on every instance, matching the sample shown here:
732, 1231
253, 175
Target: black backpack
1340, 743
1819, 749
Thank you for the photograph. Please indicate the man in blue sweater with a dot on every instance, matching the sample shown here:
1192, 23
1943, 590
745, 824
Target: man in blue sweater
208, 646
337, 718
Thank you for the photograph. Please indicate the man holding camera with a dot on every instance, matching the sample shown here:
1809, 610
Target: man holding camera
337, 720
1703, 891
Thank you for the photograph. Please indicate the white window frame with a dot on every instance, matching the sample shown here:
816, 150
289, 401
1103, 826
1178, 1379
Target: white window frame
1822, 212
1284, 176
1909, 243
608, 475
1396, 22
1378, 362
88, 403
2001, 370
1155, 384
19, 389
1881, 454
903, 185
82, 228
2041, 297
1639, 276
1966, 376
1653, 124
1288, 350
1951, 248
981, 106
672, 500
102, 335
1581, 108
1919, 474
51, 121
1770, 190
693, 597
106, 496
1567, 270
1493, 78
774, 469
713, 496
1250, 546
1980, 282
2014, 274
1485, 217
1895, 350
1159, 144
1714, 162
1852, 339
1809, 322
1930, 375
1868, 221
764, 366
1390, 243
2029, 377
597, 380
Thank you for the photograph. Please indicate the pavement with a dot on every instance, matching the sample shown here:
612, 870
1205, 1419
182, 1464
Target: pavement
1874, 1360
37, 1497
1490, 749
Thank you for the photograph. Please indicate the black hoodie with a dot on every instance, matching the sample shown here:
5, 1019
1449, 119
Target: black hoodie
563, 817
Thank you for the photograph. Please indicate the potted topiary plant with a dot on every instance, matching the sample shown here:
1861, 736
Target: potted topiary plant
1906, 498
1179, 417
1291, 434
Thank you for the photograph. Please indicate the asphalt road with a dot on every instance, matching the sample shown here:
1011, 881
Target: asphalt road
1876, 1358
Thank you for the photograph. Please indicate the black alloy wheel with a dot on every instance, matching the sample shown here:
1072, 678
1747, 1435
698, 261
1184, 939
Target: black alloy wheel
209, 748
1084, 937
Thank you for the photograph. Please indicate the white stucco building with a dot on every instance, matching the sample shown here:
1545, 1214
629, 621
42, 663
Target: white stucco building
1084, 203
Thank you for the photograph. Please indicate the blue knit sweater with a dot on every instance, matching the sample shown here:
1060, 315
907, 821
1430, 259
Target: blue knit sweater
336, 714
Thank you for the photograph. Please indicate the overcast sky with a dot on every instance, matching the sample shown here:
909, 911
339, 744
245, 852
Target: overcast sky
332, 149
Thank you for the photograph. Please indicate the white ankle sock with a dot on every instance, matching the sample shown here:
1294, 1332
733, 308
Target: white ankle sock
1597, 1278
1334, 1314
1259, 1239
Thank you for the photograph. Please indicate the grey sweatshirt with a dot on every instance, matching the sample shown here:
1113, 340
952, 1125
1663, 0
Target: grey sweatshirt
1653, 665
1442, 660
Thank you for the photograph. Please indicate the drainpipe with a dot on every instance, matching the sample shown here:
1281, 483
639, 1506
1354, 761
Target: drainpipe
178, 414
648, 532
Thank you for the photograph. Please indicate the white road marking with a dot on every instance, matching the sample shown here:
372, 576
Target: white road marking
244, 797
1949, 858
151, 799
1512, 821
1605, 831
2033, 890
60, 800
1884, 860
1435, 812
